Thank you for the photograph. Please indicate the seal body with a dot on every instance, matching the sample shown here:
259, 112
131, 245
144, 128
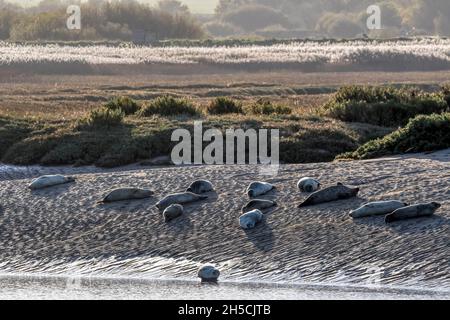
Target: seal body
200, 186
179, 198
122, 194
250, 219
49, 181
172, 212
377, 208
308, 184
258, 204
259, 188
329, 194
414, 211
208, 273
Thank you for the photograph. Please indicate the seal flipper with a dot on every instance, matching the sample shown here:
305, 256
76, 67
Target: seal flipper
390, 218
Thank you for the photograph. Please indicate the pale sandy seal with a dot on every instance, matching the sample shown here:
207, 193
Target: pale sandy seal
122, 194
208, 273
172, 212
250, 219
258, 204
414, 211
259, 188
308, 184
329, 194
49, 181
179, 198
377, 208
200, 186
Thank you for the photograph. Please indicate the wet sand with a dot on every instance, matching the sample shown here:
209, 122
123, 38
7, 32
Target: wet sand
62, 231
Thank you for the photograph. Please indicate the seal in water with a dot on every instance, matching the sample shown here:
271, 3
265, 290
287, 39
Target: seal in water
377, 208
308, 184
414, 211
208, 273
172, 212
250, 219
329, 194
179, 198
49, 181
258, 204
259, 188
200, 186
122, 194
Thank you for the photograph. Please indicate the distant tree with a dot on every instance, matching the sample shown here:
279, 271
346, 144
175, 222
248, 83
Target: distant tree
173, 7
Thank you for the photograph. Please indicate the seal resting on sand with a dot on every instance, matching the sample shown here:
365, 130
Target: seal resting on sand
200, 186
377, 208
337, 192
49, 181
414, 211
259, 188
258, 204
308, 184
250, 219
208, 273
172, 212
122, 194
179, 198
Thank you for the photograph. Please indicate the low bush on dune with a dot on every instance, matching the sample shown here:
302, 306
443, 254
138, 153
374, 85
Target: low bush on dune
168, 106
127, 105
104, 117
223, 105
421, 134
265, 107
383, 106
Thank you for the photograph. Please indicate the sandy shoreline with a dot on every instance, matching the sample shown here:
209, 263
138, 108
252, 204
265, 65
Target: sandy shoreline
63, 231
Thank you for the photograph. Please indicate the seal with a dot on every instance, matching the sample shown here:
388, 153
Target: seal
179, 198
122, 194
250, 219
258, 204
200, 186
208, 273
49, 181
414, 211
377, 208
172, 212
259, 188
308, 184
337, 192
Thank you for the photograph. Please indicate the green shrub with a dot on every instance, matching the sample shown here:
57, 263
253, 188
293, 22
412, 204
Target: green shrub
421, 134
168, 106
265, 107
104, 117
384, 106
125, 104
223, 105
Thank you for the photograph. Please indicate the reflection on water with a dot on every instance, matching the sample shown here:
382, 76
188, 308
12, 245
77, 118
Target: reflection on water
24, 287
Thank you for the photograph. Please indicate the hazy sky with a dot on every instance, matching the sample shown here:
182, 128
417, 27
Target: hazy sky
197, 6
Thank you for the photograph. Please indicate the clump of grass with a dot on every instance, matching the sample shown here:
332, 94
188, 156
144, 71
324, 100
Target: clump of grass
123, 103
224, 105
384, 106
266, 107
168, 106
423, 133
104, 117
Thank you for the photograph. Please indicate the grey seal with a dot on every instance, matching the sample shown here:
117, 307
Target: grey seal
208, 273
337, 192
308, 184
249, 219
179, 198
49, 181
122, 194
172, 212
414, 211
258, 204
200, 186
377, 208
259, 188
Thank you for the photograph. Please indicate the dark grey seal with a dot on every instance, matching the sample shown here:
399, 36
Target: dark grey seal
258, 204
414, 211
334, 193
200, 186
